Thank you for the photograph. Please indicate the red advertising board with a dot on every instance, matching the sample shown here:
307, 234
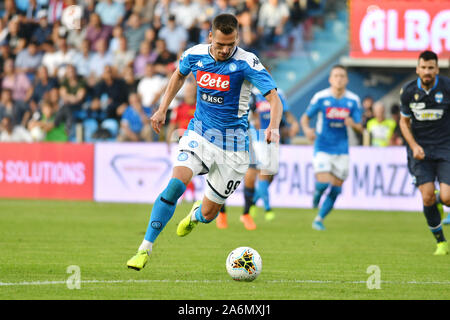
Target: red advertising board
46, 171
399, 29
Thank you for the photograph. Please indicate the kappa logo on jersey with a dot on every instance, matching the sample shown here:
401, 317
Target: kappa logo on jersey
337, 113
199, 64
213, 81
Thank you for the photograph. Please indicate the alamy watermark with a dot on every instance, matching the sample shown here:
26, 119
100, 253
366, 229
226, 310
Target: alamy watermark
74, 280
374, 280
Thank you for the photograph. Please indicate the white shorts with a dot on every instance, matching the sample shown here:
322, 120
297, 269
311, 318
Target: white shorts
336, 164
224, 169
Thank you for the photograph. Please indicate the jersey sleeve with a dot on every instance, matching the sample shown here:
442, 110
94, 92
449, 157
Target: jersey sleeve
313, 108
258, 75
185, 66
356, 113
405, 110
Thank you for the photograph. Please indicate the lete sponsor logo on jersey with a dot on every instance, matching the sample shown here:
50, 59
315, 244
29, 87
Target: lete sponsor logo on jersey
337, 113
213, 81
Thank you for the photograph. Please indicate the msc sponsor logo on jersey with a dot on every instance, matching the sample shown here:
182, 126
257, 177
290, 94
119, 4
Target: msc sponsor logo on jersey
337, 113
213, 81
211, 99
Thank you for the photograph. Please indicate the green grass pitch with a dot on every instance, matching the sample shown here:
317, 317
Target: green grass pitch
39, 240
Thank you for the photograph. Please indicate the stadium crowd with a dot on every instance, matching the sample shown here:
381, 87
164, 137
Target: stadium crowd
102, 81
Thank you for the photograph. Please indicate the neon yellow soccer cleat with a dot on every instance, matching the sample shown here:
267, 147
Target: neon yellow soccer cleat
442, 249
186, 225
139, 261
269, 215
253, 211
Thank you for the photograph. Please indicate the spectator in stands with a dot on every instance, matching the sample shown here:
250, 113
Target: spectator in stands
117, 33
82, 59
247, 14
122, 57
151, 87
73, 92
223, 6
111, 12
48, 125
186, 14
18, 111
55, 10
397, 137
57, 61
96, 31
163, 9
15, 38
298, 13
164, 58
272, 19
145, 10
367, 105
10, 11
131, 82
135, 32
42, 85
17, 82
134, 124
28, 60
174, 35
3, 32
100, 59
75, 37
110, 92
145, 57
13, 133
42, 34
380, 128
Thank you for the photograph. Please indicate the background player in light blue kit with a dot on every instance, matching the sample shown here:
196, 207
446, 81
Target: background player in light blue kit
336, 109
216, 142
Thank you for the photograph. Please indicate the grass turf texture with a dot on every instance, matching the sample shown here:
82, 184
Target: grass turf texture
40, 239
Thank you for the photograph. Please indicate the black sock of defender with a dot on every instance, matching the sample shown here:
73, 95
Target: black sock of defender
434, 221
248, 196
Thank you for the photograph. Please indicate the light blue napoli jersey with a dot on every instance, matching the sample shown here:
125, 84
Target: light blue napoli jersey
223, 94
331, 131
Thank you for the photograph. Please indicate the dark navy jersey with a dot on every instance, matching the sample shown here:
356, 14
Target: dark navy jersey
429, 112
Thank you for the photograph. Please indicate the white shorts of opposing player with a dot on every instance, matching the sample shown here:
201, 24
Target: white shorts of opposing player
224, 169
336, 164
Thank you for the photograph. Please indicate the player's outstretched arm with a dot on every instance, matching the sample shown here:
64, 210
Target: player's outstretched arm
175, 83
405, 128
276, 112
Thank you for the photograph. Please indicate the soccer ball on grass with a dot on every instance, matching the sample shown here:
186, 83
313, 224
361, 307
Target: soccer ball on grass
244, 264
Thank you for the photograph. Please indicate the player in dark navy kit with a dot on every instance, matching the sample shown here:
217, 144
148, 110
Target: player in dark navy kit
425, 125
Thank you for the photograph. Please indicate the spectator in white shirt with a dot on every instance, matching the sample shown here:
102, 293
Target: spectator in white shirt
174, 35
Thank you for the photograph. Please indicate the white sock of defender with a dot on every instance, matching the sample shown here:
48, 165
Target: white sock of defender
146, 245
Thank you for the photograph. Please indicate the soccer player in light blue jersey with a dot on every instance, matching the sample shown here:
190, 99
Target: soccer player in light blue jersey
216, 141
336, 109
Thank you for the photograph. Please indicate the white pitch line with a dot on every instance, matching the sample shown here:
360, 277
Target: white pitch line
43, 283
